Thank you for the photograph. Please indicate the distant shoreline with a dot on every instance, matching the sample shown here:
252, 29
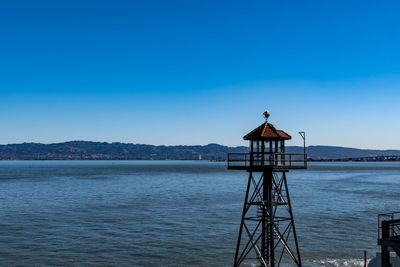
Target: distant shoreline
310, 160
86, 150
353, 160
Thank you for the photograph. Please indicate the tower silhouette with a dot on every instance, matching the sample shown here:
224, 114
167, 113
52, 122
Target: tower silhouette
267, 231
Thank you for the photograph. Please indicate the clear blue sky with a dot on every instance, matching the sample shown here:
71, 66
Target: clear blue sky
196, 72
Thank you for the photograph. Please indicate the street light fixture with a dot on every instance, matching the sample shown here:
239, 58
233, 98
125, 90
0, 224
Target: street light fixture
303, 135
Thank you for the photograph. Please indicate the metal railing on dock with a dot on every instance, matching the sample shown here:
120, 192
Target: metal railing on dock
394, 226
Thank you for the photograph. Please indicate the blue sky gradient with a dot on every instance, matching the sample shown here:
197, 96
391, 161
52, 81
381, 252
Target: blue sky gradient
196, 72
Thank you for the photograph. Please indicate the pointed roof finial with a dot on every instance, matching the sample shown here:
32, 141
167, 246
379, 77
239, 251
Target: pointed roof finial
266, 115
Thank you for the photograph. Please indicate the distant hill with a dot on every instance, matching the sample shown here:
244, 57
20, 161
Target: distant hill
76, 150
337, 152
106, 151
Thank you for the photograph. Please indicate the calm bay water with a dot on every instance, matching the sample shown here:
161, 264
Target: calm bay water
179, 213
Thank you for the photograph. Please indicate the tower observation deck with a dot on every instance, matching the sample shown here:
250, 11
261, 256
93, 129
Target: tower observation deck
267, 232
267, 151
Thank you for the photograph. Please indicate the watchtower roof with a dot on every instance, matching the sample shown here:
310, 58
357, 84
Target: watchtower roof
267, 131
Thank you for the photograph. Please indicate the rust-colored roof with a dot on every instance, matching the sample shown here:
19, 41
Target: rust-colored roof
267, 131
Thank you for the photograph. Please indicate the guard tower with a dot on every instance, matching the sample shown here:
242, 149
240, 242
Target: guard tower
267, 232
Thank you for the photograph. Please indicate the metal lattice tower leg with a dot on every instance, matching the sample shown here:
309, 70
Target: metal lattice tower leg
267, 232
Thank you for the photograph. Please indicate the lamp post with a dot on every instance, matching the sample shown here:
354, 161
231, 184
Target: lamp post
303, 135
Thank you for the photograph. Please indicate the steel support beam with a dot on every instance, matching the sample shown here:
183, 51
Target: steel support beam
267, 230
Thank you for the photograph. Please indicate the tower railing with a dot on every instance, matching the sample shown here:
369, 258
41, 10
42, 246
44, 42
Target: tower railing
261, 160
